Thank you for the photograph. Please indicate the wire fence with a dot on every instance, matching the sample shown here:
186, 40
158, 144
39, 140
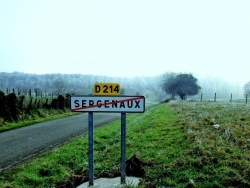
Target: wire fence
218, 99
37, 93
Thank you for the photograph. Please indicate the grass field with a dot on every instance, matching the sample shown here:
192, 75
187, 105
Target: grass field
182, 144
218, 136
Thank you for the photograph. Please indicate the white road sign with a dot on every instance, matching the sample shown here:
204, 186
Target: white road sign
107, 104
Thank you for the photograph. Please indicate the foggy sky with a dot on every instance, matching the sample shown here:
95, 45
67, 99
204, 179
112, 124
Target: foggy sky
126, 38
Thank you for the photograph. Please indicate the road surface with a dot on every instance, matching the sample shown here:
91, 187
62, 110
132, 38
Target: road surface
20, 144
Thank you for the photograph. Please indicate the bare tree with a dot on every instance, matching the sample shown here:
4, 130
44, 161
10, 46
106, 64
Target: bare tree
247, 88
59, 85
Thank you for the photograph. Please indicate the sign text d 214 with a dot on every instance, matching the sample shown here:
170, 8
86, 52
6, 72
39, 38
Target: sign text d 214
107, 89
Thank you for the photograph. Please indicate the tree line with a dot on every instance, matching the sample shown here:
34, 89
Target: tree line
69, 83
51, 91
56, 84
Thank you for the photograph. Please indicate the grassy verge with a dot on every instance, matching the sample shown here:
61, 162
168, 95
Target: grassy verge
146, 137
177, 142
218, 136
37, 116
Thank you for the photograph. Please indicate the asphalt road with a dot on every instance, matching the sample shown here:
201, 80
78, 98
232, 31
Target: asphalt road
21, 144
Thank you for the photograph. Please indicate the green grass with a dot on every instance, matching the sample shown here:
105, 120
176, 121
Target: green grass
177, 142
217, 157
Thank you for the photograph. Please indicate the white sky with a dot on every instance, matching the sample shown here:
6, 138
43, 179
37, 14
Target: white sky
126, 38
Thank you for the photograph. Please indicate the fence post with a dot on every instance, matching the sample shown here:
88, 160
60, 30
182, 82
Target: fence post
231, 98
201, 96
214, 97
246, 98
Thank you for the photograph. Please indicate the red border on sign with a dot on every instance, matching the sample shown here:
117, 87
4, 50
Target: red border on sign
108, 103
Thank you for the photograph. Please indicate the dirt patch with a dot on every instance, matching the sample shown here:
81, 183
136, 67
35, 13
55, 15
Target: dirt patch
134, 167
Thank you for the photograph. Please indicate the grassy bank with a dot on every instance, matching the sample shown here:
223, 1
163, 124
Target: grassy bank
36, 116
177, 142
218, 136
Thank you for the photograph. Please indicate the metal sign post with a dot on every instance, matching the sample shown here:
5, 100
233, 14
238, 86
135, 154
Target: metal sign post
123, 148
115, 104
91, 149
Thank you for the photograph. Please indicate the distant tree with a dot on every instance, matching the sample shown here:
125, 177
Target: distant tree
167, 80
122, 91
247, 88
137, 93
59, 85
3, 83
181, 84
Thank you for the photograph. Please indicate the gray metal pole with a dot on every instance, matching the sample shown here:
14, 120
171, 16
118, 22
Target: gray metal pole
123, 148
91, 149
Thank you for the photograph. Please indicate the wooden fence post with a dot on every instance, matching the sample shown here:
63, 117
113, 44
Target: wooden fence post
214, 97
231, 98
201, 96
246, 98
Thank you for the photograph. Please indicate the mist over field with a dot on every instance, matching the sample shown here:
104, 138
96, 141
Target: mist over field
128, 39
